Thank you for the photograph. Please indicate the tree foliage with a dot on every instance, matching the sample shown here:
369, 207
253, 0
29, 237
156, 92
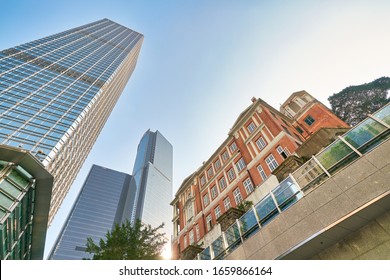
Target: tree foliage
354, 103
129, 242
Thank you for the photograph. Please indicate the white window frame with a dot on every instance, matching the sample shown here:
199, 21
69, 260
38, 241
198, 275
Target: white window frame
261, 144
251, 127
231, 174
225, 156
202, 180
206, 200
189, 212
222, 179
197, 231
226, 203
217, 212
233, 147
248, 186
271, 162
280, 150
210, 172
217, 164
261, 171
214, 191
237, 196
185, 241
240, 164
209, 223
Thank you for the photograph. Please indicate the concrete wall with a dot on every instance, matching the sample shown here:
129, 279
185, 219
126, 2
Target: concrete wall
343, 197
369, 243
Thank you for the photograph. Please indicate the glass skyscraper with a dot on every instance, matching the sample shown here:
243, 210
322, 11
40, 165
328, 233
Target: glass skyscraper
57, 92
109, 197
152, 180
104, 200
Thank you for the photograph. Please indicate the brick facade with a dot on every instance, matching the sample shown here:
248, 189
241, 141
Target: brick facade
261, 136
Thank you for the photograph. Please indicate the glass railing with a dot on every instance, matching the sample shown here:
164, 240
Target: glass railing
279, 199
359, 140
383, 114
353, 144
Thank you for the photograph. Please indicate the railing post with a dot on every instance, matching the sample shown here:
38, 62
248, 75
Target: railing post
295, 183
276, 203
225, 244
321, 166
349, 145
211, 252
239, 230
379, 121
257, 217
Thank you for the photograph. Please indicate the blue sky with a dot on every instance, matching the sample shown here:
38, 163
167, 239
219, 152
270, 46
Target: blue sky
202, 61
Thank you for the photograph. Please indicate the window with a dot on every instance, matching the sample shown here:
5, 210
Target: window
214, 192
240, 164
192, 239
210, 172
217, 164
231, 174
299, 129
222, 183
197, 232
309, 120
261, 143
262, 173
206, 200
282, 152
217, 212
226, 203
209, 224
271, 162
189, 212
185, 241
233, 147
225, 156
203, 180
237, 196
251, 127
248, 186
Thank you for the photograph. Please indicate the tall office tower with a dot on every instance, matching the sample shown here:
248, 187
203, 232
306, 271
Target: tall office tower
152, 179
103, 201
57, 92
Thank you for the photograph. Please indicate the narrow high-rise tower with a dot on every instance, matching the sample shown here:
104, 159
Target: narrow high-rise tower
152, 180
57, 92
103, 201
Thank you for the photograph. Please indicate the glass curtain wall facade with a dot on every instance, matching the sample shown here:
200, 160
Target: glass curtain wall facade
25, 191
57, 92
152, 180
104, 200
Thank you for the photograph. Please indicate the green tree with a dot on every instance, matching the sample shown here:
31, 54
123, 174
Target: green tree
129, 242
354, 103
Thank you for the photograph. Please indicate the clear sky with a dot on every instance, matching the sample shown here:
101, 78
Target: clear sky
202, 61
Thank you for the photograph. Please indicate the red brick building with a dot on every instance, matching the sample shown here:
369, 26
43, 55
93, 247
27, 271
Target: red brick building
259, 141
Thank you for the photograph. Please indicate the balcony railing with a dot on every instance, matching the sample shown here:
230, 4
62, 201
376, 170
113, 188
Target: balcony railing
356, 142
361, 139
279, 199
